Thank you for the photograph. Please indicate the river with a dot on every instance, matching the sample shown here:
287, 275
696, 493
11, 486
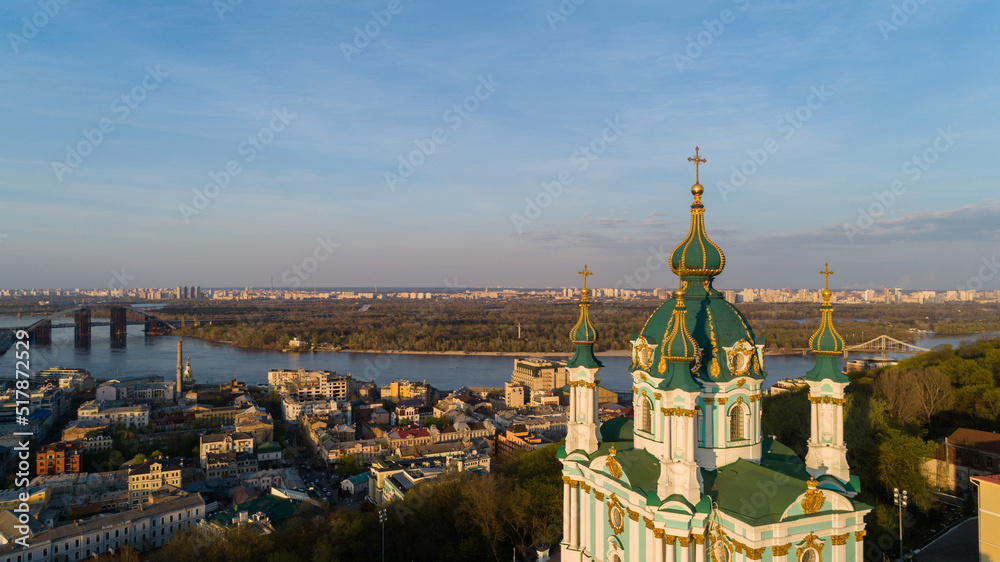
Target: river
215, 363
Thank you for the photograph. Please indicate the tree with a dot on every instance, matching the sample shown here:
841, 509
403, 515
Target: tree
350, 465
916, 394
115, 459
139, 458
787, 417
900, 459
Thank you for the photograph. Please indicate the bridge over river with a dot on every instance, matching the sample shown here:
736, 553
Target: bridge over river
40, 331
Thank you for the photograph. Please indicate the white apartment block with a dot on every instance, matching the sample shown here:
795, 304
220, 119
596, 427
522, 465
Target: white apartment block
145, 529
310, 385
137, 415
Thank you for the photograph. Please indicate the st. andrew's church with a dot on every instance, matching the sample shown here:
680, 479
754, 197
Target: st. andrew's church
691, 478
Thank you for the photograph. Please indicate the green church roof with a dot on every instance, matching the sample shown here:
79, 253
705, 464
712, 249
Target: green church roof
583, 334
697, 254
713, 324
826, 343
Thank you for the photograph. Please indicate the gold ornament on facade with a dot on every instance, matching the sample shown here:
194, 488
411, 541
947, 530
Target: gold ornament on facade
709, 401
756, 553
599, 496
567, 479
642, 354
722, 401
738, 357
839, 540
657, 533
649, 522
740, 383
715, 368
614, 468
669, 539
585, 487
860, 535
814, 499
812, 541
574, 484
684, 541
633, 515
657, 395
780, 549
698, 539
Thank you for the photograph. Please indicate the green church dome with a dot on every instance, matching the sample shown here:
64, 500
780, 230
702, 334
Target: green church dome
727, 347
826, 340
697, 254
583, 334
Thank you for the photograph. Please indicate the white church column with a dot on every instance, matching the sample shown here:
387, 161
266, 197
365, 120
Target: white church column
574, 512
699, 548
670, 553
567, 513
839, 547
684, 549
651, 542
859, 545
599, 518
635, 553
584, 516
814, 420
658, 545
839, 424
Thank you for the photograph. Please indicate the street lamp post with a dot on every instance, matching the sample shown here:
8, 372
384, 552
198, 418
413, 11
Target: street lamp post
900, 501
382, 516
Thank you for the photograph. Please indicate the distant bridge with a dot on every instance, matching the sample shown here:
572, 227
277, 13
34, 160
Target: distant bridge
884, 344
40, 331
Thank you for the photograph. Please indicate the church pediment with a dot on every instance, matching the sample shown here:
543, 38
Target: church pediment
816, 500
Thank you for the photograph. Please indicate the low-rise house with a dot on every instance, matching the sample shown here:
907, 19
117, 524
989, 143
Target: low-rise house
356, 484
269, 451
150, 476
223, 443
81, 429
234, 465
111, 391
59, 457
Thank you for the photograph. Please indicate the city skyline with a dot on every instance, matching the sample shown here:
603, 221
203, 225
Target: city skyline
396, 144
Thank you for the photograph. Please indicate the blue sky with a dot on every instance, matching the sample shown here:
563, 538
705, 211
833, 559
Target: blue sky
610, 97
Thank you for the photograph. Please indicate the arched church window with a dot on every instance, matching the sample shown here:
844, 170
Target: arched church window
809, 555
737, 427
616, 558
646, 415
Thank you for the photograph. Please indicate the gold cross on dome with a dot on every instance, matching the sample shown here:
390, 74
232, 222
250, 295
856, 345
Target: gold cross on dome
586, 273
697, 161
827, 273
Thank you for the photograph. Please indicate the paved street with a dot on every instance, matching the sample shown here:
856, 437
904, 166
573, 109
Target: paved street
960, 544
